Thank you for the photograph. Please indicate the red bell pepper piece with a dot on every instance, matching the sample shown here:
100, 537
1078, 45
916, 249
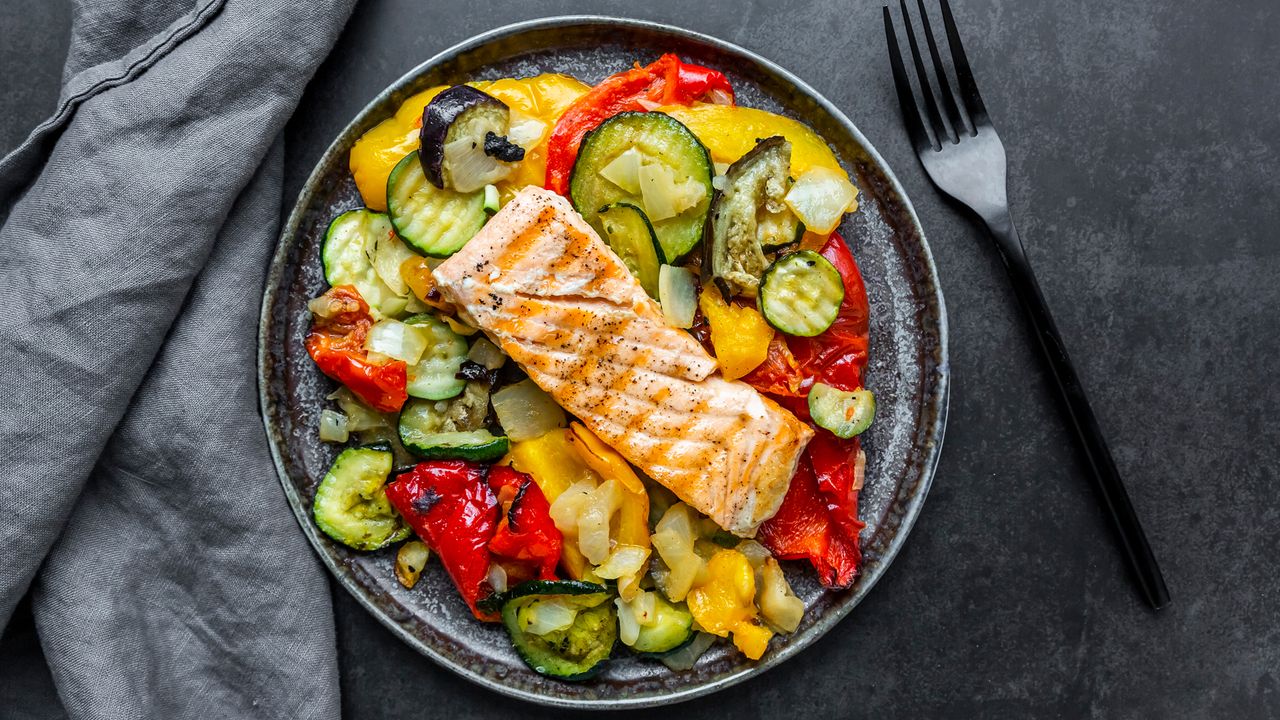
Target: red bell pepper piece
381, 387
666, 81
450, 506
802, 529
833, 461
525, 534
780, 374
336, 344
818, 519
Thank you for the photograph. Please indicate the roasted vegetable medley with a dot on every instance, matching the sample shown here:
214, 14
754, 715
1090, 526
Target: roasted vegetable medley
455, 452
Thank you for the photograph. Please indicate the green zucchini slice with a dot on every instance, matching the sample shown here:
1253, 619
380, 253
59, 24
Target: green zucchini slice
492, 201
348, 244
801, 293
631, 236
450, 430
434, 221
435, 376
671, 630
652, 161
351, 503
845, 414
494, 603
582, 629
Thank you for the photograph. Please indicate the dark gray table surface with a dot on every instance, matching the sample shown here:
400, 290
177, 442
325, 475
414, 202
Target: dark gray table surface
1142, 142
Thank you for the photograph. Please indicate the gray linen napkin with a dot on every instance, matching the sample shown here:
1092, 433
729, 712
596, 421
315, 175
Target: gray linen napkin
137, 499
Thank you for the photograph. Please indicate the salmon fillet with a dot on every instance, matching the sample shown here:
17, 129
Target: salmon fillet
553, 295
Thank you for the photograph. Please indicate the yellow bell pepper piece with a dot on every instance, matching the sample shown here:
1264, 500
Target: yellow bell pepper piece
752, 639
604, 459
729, 131
633, 516
544, 97
562, 458
724, 604
552, 463
575, 563
385, 144
739, 334
632, 525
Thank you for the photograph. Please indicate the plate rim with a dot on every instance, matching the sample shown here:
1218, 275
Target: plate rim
823, 625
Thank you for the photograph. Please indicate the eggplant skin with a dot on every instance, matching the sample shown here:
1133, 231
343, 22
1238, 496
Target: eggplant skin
500, 147
746, 217
438, 117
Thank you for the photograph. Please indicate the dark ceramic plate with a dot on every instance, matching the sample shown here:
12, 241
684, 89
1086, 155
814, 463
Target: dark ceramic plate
908, 369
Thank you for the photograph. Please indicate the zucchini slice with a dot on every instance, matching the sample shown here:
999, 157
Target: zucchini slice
750, 217
492, 201
845, 414
351, 503
435, 376
495, 602
435, 430
801, 293
580, 628
630, 235
349, 243
434, 221
652, 161
671, 630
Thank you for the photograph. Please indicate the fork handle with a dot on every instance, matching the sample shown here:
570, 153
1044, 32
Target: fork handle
1106, 477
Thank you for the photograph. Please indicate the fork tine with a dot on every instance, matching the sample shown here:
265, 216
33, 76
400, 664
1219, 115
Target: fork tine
906, 99
930, 103
964, 74
944, 84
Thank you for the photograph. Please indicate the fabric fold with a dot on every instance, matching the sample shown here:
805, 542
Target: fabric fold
134, 476
99, 31
181, 552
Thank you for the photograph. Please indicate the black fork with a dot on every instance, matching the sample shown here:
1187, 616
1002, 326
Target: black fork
961, 152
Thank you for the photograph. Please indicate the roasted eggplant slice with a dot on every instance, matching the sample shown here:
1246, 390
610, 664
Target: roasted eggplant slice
749, 218
464, 140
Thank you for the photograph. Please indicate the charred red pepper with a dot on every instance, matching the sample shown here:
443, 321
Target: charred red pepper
336, 343
834, 461
525, 534
803, 530
473, 516
666, 81
818, 519
449, 504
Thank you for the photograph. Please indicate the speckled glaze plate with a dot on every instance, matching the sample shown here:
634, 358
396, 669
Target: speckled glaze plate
908, 369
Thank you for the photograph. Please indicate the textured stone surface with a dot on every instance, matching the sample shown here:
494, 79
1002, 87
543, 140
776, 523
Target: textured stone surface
1142, 144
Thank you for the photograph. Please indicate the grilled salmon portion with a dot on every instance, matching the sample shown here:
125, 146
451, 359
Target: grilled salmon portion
544, 287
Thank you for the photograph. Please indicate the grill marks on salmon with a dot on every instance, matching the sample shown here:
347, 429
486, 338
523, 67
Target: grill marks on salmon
544, 287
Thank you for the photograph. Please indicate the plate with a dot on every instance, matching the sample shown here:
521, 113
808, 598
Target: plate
908, 369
